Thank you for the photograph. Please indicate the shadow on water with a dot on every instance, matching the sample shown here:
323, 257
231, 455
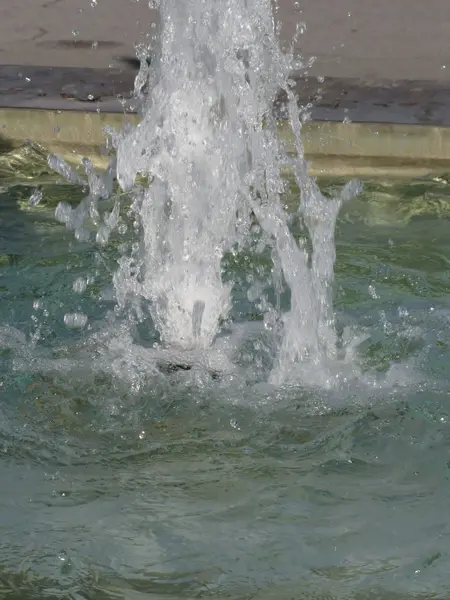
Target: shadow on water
133, 62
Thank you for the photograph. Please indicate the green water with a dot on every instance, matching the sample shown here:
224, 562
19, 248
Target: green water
121, 483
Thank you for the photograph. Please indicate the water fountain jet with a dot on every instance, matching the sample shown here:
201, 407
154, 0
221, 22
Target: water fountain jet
209, 146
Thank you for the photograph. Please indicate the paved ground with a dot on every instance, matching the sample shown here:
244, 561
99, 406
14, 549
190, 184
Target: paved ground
365, 39
383, 60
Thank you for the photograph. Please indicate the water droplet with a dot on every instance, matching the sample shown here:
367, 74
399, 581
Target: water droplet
75, 32
141, 435
373, 292
94, 45
75, 320
234, 424
320, 78
35, 197
79, 285
444, 67
93, 3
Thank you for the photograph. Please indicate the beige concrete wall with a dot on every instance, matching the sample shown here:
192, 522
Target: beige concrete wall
334, 149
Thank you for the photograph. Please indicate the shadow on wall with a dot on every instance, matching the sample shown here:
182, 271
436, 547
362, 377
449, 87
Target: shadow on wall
6, 145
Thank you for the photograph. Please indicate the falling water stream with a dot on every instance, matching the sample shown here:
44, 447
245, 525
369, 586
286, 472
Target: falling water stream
211, 154
191, 406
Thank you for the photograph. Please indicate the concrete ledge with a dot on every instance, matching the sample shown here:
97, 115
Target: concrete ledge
332, 99
396, 128
333, 148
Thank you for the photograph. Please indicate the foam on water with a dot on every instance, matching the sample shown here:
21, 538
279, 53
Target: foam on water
208, 150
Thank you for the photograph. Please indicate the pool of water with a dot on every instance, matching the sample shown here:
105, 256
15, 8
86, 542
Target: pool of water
125, 477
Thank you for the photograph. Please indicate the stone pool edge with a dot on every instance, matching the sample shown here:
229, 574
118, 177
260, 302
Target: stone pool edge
395, 129
334, 149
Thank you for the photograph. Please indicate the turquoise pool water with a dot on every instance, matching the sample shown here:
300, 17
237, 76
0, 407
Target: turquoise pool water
123, 481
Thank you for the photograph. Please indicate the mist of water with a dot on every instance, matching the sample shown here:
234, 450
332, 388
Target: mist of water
204, 165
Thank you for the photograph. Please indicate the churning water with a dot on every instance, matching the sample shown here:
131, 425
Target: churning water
184, 413
209, 149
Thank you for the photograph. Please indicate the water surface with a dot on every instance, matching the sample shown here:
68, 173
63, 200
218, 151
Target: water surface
125, 480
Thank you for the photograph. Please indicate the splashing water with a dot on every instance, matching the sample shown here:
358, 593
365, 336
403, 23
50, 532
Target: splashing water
209, 150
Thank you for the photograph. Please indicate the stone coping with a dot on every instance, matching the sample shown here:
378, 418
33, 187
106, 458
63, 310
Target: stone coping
395, 129
107, 90
333, 148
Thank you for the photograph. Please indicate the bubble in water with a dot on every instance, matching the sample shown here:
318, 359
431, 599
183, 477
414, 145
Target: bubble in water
75, 320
